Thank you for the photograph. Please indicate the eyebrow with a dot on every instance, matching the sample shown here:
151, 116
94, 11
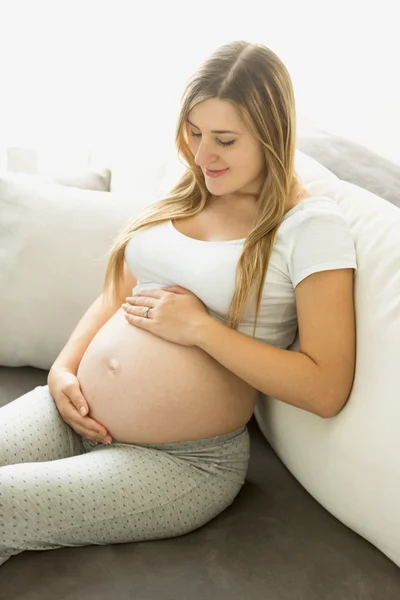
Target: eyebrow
215, 130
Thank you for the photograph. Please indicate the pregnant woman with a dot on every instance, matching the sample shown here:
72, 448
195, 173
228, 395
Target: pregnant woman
141, 432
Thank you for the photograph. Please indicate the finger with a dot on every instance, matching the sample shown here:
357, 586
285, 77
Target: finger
86, 425
85, 432
159, 293
141, 303
93, 426
88, 434
92, 431
142, 322
78, 400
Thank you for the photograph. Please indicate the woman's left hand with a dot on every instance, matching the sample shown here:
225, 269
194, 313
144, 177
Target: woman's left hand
175, 314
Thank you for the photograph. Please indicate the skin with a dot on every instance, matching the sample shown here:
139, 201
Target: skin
244, 157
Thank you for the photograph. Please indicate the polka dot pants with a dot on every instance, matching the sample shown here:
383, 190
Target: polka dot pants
58, 489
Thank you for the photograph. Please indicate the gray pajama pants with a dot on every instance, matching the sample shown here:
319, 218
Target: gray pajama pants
58, 489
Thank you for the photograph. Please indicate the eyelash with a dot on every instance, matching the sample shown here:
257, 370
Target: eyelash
196, 135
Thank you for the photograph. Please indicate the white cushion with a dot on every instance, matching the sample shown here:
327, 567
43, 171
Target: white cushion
95, 179
351, 463
53, 245
99, 179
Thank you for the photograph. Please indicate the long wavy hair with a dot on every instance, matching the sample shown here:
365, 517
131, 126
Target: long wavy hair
256, 82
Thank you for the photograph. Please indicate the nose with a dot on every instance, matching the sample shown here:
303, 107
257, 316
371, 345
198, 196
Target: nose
204, 156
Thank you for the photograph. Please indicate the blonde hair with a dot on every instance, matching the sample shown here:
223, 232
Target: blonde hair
256, 82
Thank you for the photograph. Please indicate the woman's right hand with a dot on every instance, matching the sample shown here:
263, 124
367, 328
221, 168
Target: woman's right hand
67, 394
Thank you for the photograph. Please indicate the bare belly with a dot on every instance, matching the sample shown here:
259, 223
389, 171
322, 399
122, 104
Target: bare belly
144, 389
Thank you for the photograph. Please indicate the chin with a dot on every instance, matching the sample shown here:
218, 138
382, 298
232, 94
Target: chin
219, 193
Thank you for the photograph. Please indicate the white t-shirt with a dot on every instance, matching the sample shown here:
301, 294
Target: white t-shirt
313, 236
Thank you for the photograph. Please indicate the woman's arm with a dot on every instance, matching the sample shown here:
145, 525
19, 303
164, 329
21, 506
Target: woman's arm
94, 318
91, 322
320, 376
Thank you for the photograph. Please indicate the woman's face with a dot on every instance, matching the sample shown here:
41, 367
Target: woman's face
219, 140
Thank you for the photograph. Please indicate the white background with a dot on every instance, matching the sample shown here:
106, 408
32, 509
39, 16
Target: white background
103, 79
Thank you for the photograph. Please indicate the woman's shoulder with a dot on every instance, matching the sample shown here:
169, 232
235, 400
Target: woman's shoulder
316, 217
311, 207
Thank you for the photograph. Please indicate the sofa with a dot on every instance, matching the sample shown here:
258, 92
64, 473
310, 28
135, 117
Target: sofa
277, 541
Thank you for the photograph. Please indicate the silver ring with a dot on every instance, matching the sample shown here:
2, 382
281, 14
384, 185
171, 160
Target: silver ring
146, 312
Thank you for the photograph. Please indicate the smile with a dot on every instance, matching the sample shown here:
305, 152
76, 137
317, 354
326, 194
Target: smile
216, 173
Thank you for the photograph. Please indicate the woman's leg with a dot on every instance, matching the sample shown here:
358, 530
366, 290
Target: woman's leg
32, 430
120, 493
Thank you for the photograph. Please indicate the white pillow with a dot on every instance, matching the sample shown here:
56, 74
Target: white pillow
99, 179
53, 245
351, 463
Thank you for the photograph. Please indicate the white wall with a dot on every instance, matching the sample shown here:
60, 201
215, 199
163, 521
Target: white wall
105, 77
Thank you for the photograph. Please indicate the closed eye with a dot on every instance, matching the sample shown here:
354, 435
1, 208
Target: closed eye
220, 142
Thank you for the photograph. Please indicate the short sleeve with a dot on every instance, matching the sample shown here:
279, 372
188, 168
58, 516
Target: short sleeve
320, 241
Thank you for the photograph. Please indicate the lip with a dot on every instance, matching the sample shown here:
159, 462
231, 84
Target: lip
216, 173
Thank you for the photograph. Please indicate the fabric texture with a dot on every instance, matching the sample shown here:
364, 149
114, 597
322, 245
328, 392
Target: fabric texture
313, 236
58, 489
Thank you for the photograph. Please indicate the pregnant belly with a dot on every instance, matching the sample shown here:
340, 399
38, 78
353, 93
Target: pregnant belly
144, 389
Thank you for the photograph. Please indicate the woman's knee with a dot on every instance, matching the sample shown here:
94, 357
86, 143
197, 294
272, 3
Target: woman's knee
32, 430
